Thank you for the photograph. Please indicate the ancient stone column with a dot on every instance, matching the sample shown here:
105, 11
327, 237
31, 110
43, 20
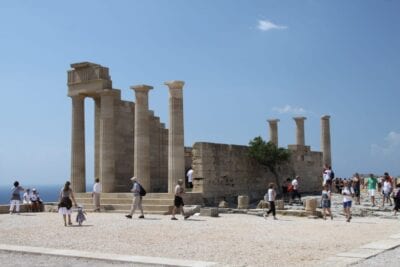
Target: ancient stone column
142, 135
107, 157
78, 170
326, 140
300, 130
273, 131
97, 111
176, 152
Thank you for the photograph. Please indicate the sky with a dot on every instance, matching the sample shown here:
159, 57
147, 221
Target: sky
243, 62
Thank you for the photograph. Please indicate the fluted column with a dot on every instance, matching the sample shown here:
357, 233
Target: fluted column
176, 153
142, 135
97, 111
273, 131
78, 170
300, 140
326, 141
107, 157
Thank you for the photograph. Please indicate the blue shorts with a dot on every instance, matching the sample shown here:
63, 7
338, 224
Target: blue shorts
347, 204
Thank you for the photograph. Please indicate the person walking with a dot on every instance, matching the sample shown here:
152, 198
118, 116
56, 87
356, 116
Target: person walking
178, 201
371, 185
189, 175
15, 197
326, 202
347, 193
96, 194
386, 190
65, 203
357, 187
396, 199
137, 199
295, 188
271, 199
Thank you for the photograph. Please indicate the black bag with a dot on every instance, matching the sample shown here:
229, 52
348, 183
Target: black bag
142, 192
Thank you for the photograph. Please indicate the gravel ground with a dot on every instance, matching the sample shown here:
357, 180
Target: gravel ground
231, 239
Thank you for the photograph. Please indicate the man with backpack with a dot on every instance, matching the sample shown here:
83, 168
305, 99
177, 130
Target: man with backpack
138, 193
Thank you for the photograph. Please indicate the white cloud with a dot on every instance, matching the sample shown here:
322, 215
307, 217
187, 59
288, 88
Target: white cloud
288, 109
266, 25
391, 145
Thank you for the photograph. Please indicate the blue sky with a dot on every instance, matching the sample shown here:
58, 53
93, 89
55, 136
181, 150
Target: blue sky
243, 62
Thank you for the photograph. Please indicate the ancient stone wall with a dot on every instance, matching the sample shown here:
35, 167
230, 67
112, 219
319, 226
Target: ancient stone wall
225, 171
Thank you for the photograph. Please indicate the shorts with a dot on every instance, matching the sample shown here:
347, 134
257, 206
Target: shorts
326, 204
371, 192
347, 204
178, 202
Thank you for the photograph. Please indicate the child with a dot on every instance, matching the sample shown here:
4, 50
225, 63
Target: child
271, 199
80, 217
326, 201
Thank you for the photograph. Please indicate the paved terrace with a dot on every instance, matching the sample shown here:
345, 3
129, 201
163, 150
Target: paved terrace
230, 240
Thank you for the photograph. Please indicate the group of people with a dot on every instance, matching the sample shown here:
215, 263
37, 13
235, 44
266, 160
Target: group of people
30, 198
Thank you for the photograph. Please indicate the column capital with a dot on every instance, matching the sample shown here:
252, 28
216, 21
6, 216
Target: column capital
273, 120
79, 96
325, 117
175, 84
141, 88
299, 118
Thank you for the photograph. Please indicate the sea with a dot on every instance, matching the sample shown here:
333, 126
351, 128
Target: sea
48, 193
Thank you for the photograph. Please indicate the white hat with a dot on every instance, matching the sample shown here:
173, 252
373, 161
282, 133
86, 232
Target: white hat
33, 189
133, 178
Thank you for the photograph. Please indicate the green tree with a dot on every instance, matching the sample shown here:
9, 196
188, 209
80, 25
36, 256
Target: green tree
269, 155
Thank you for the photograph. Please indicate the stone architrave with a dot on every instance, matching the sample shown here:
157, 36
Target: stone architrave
300, 140
107, 157
142, 135
78, 169
273, 131
176, 152
326, 140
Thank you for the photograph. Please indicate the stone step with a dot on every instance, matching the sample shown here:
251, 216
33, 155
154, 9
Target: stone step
145, 200
126, 195
159, 209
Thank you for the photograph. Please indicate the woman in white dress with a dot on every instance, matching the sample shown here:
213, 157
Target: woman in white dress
65, 203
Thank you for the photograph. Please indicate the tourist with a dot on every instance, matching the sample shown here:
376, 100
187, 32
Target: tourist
178, 201
347, 193
391, 181
15, 197
286, 189
337, 184
26, 199
295, 185
326, 202
380, 182
396, 199
371, 185
65, 203
36, 201
357, 187
386, 190
341, 185
271, 199
328, 176
96, 195
189, 175
137, 199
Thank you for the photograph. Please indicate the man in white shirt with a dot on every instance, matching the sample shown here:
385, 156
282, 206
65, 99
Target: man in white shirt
137, 199
295, 185
190, 177
96, 195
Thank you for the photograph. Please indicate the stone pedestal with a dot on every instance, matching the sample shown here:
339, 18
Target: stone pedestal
300, 140
326, 141
223, 204
211, 212
176, 152
78, 169
273, 131
243, 202
279, 204
311, 206
142, 136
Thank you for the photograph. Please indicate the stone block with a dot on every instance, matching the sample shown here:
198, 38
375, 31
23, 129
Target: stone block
223, 204
263, 204
211, 212
191, 209
243, 202
279, 204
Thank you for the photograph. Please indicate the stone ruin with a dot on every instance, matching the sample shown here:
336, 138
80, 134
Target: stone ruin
130, 140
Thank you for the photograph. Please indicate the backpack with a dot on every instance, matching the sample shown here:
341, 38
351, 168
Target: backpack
142, 192
290, 188
332, 175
